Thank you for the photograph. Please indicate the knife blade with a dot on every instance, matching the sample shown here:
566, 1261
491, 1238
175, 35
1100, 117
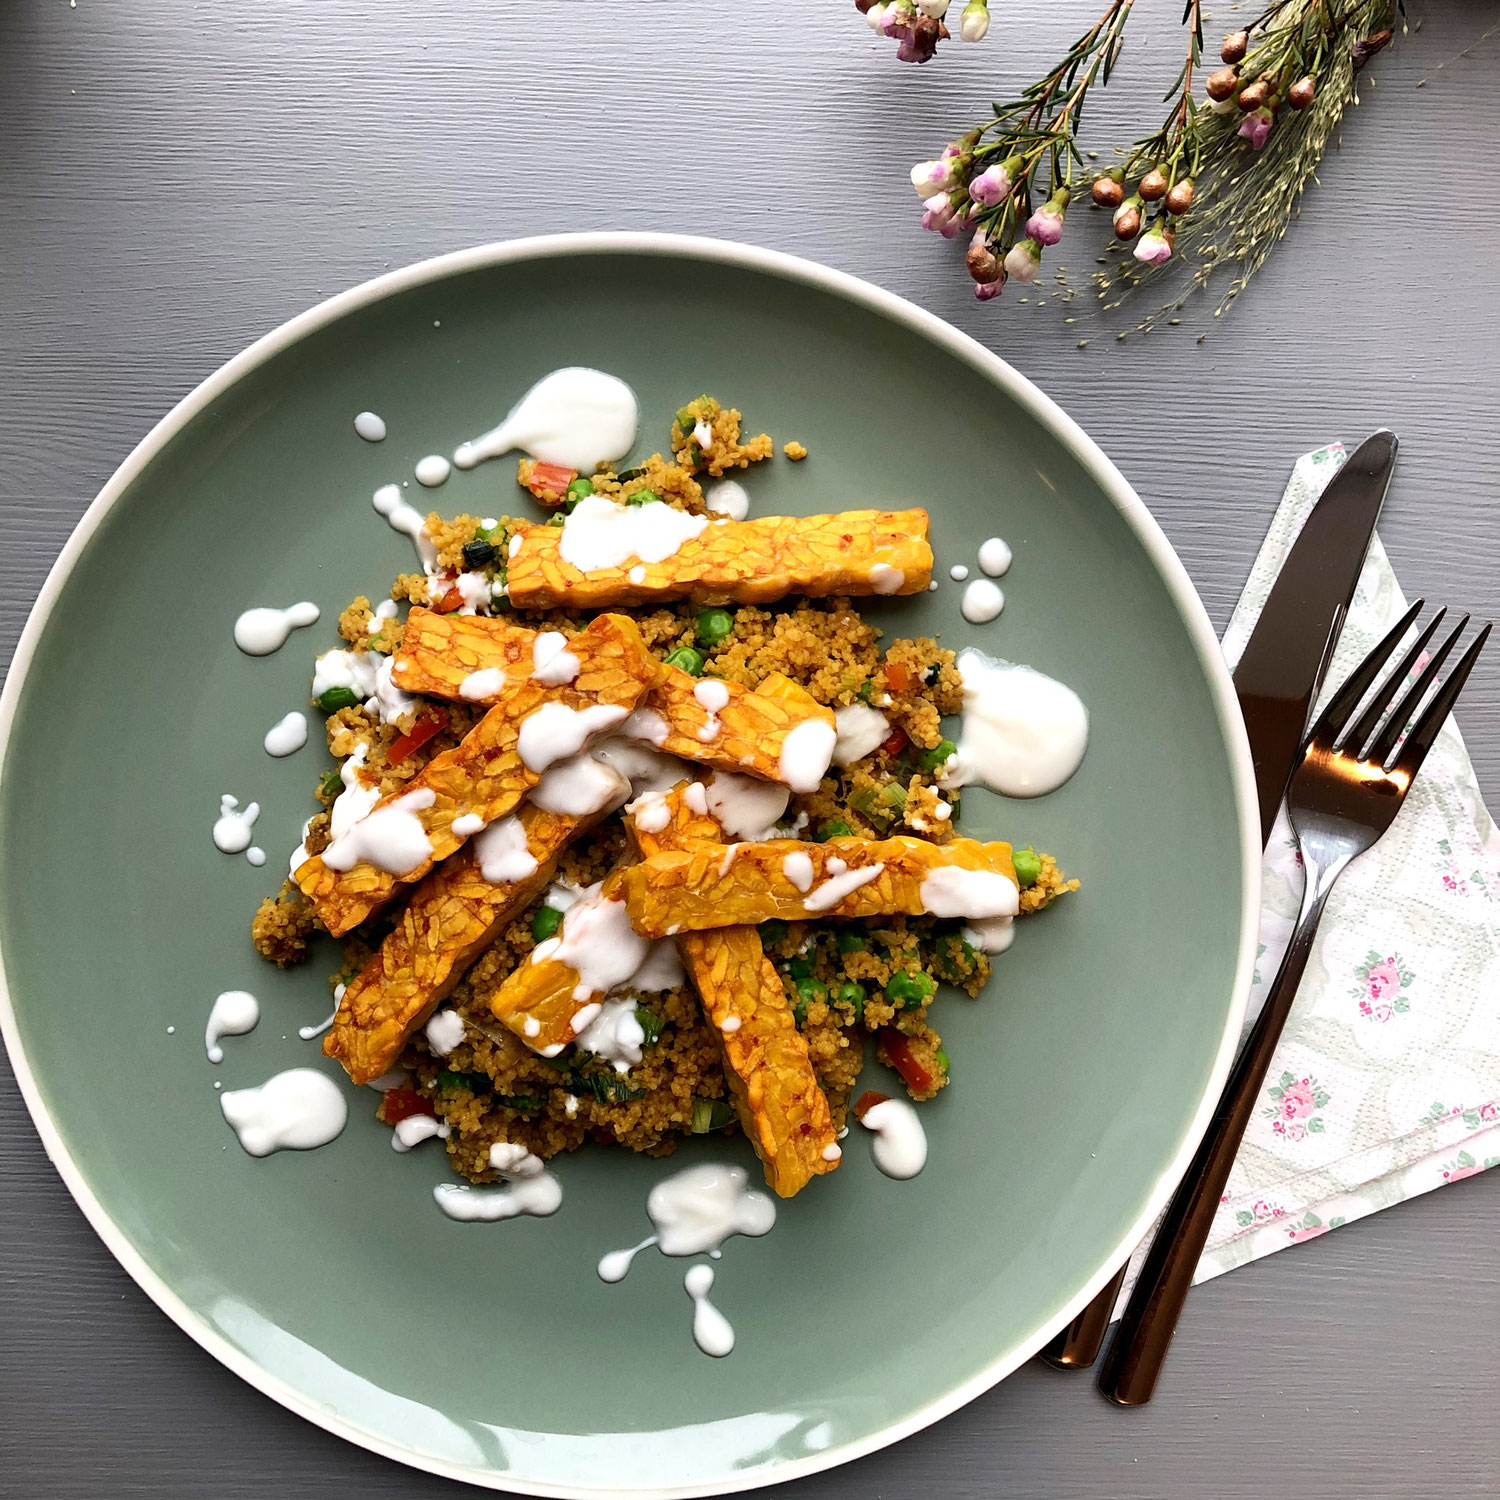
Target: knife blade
1276, 681
1282, 667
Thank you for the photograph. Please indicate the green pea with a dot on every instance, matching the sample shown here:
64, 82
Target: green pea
941, 1059
579, 488
642, 497
906, 991
1028, 867
852, 995
930, 760
545, 923
688, 660
800, 967
772, 933
866, 691
835, 828
808, 990
849, 941
331, 700
714, 625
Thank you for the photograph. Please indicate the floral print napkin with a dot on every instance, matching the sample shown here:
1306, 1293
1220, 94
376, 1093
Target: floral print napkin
1387, 1080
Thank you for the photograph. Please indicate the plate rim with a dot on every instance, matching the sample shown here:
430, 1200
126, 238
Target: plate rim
1005, 377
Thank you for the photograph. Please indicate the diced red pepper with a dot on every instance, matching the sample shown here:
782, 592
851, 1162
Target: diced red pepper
898, 1052
397, 1105
867, 1101
549, 482
896, 743
898, 677
414, 738
451, 601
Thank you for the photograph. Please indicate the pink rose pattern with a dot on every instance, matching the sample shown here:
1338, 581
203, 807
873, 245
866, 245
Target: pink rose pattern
1259, 1212
1311, 1226
1476, 1118
1454, 881
1293, 1112
1380, 984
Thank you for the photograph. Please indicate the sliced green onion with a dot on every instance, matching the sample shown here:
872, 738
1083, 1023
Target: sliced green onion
930, 760
642, 497
710, 1114
330, 784
835, 828
649, 1022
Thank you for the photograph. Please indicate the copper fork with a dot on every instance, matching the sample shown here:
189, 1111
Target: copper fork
1355, 771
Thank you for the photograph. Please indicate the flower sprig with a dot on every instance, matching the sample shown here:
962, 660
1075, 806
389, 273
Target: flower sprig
1215, 184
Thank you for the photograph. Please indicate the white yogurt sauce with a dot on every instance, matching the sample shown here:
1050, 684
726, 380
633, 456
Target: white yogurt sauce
991, 934
694, 1212
614, 1034
745, 807
480, 686
551, 662
432, 470
711, 1329
555, 731
307, 1033
387, 609
885, 579
370, 427
859, 731
354, 670
388, 701
1023, 735
391, 838
503, 854
955, 892
712, 697
287, 735
727, 497
415, 1129
232, 829
259, 632
355, 801
234, 1013
298, 1109
445, 1030
958, 572
528, 1189
995, 558
466, 825
806, 753
982, 602
597, 941
646, 725
599, 534
900, 1143
579, 786
409, 522
650, 813
576, 417
647, 770
798, 868
841, 882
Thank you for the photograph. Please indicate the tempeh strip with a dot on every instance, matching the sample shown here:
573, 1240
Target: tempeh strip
718, 885
783, 1110
857, 552
471, 658
452, 917
479, 780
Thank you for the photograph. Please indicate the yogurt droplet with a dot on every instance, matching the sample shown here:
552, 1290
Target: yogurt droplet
982, 602
234, 1013
727, 497
995, 558
711, 1329
370, 427
958, 572
232, 830
576, 417
287, 735
297, 1110
259, 632
900, 1144
409, 522
432, 470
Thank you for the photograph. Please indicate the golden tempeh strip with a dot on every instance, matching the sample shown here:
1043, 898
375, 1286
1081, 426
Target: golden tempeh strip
742, 562
781, 1107
451, 918
439, 652
484, 776
703, 887
536, 1000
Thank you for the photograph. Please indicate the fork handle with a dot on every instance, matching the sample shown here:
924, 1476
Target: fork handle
1135, 1358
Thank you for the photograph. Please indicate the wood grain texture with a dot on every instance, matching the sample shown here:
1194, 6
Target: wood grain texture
177, 178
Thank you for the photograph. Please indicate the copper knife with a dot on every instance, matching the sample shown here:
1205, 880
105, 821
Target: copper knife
1276, 681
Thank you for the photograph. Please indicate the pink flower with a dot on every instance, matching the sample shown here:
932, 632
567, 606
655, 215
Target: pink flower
1384, 979
1155, 245
1487, 1111
937, 214
1457, 1174
991, 186
1045, 226
1296, 1236
1256, 126
1297, 1101
984, 290
1023, 261
929, 177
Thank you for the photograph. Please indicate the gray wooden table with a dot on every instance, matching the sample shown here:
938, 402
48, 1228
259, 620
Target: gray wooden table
177, 178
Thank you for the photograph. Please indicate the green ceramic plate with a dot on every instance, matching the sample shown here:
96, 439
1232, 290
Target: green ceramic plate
492, 1353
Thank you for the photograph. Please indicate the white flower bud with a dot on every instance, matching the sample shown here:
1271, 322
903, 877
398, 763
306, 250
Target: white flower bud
975, 21
937, 9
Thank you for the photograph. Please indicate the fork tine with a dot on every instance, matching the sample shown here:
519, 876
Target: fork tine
1411, 701
1369, 720
1425, 730
1348, 698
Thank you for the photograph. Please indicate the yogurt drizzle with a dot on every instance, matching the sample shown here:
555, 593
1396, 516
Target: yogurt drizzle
712, 1331
528, 1189
370, 427
576, 417
287, 735
234, 1013
900, 1144
259, 632
299, 1109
